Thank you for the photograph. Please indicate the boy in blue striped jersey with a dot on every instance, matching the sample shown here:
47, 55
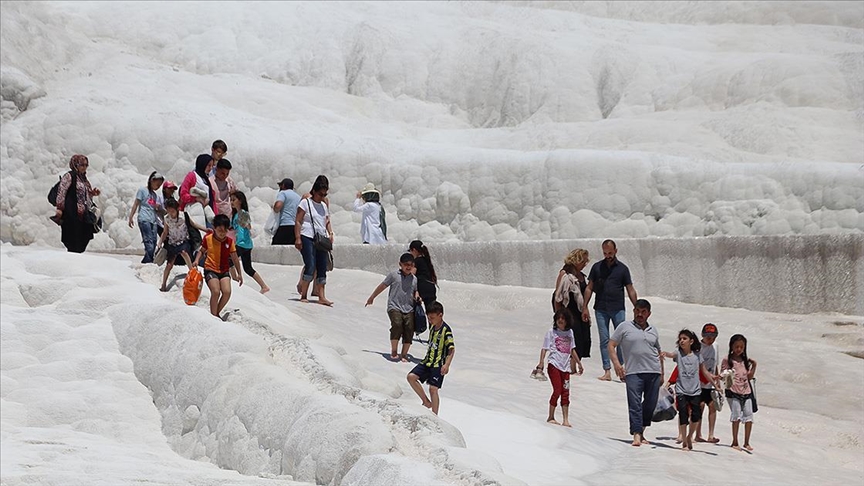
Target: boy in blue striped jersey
436, 364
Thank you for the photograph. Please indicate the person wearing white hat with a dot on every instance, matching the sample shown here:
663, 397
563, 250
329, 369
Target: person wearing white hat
373, 229
147, 203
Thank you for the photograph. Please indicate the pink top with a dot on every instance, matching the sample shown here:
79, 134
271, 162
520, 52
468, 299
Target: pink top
188, 183
740, 382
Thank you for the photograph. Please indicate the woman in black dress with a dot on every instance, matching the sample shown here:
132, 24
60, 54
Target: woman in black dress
425, 272
569, 292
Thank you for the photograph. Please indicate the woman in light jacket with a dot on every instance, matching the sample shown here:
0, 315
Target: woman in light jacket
372, 226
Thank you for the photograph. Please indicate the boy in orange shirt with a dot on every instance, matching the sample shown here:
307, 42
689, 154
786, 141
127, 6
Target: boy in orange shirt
219, 247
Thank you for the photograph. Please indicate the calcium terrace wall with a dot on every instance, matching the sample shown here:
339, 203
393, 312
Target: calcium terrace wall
791, 274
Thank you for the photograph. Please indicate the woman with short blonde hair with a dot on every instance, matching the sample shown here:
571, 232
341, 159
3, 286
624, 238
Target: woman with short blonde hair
569, 294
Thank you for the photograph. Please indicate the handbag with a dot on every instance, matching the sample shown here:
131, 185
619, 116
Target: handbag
420, 322
319, 241
272, 224
93, 216
161, 256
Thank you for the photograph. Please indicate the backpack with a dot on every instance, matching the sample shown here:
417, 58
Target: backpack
52, 194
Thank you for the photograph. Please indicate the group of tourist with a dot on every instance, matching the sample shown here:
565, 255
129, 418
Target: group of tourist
634, 351
210, 202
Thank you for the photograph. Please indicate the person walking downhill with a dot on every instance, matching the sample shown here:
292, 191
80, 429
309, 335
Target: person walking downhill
569, 294
740, 394
196, 185
608, 279
427, 279
242, 224
313, 218
644, 373
74, 198
286, 206
176, 234
372, 226
400, 305
687, 387
148, 203
439, 356
560, 344
219, 248
708, 355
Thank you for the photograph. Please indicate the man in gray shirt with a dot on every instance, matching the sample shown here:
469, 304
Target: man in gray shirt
640, 345
400, 304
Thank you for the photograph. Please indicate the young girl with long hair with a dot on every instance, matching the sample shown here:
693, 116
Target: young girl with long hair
563, 359
740, 394
241, 222
427, 280
688, 387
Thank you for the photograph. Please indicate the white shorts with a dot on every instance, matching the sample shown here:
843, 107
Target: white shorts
739, 414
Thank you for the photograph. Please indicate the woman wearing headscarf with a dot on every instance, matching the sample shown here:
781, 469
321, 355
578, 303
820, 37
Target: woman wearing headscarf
372, 227
196, 185
74, 197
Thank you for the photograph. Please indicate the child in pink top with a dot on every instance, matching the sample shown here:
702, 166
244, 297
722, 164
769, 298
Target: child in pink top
740, 394
563, 359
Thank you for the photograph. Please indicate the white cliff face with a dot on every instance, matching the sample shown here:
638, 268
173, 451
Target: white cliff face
477, 121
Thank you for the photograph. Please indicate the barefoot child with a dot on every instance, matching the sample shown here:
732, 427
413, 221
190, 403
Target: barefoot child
688, 387
177, 234
438, 358
740, 393
561, 346
400, 304
242, 224
219, 248
708, 354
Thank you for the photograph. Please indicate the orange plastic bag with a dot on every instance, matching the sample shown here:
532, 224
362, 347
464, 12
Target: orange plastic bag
192, 287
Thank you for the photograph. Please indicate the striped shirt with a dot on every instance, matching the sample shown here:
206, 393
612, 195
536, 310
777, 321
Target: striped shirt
218, 253
440, 345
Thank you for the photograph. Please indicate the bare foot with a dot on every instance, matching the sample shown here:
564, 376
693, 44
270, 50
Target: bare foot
636, 441
326, 302
305, 300
567, 424
403, 359
713, 440
735, 446
700, 439
605, 377
163, 289
394, 356
427, 404
689, 444
747, 446
644, 440
679, 440
265, 290
552, 421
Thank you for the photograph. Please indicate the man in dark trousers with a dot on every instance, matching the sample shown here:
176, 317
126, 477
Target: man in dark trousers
607, 280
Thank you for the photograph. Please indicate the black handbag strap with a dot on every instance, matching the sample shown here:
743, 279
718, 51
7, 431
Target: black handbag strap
312, 217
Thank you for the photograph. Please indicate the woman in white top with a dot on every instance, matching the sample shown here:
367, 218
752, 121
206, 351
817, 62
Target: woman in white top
313, 217
371, 227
